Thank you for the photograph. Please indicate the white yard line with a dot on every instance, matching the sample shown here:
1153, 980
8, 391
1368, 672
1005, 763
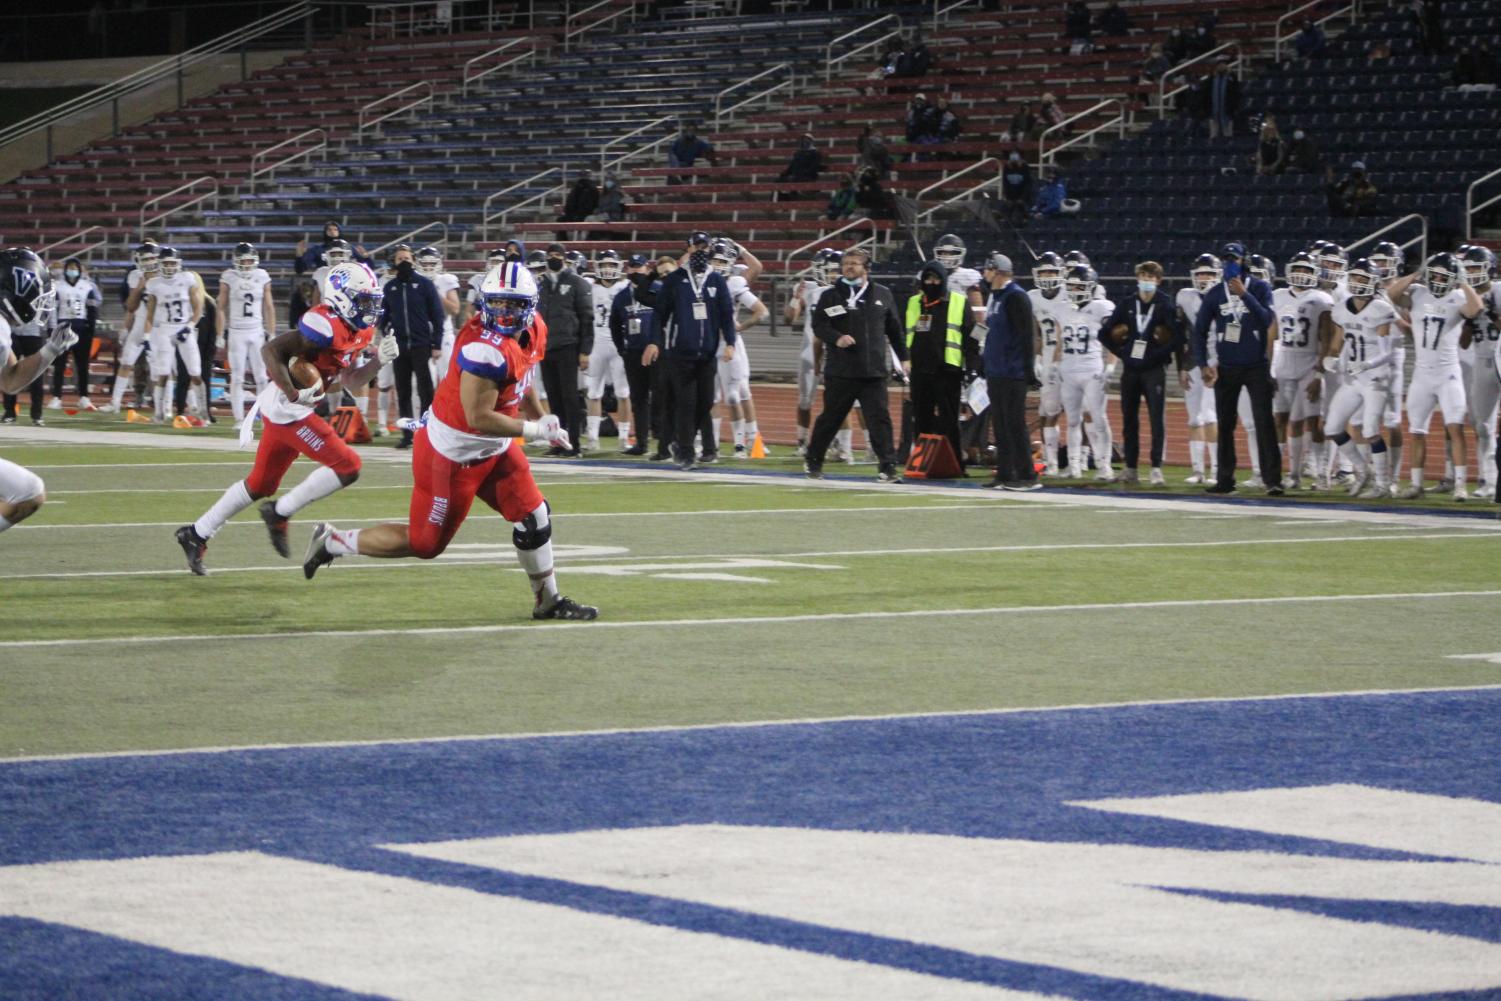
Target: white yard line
357, 563
757, 620
757, 724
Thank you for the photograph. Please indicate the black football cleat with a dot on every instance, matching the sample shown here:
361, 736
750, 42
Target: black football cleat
568, 610
276, 527
193, 548
317, 550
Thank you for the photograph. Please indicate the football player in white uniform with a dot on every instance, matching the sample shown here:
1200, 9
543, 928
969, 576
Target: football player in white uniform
25, 293
1198, 399
732, 384
1081, 363
823, 273
1302, 317
174, 304
949, 251
1440, 305
246, 320
78, 303
1047, 277
336, 253
1478, 265
1386, 259
606, 367
1332, 261
429, 264
134, 341
1363, 325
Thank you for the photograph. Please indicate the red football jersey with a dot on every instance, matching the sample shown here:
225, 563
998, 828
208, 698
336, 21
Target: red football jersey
500, 359
339, 344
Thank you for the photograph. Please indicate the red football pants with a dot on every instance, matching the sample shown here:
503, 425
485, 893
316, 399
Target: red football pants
281, 444
444, 490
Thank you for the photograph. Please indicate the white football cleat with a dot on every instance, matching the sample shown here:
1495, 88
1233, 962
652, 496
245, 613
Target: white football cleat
1194, 480
1255, 483
1358, 484
1486, 492
107, 408
55, 404
1105, 475
1461, 494
1157, 479
1375, 491
1410, 492
84, 403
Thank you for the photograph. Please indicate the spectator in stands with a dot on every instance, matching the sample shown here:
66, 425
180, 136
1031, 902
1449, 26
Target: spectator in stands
891, 58
583, 198
842, 205
1114, 21
1016, 189
1194, 105
1049, 113
686, 149
1023, 126
1156, 66
872, 198
612, 200
1224, 101
1077, 23
1428, 15
1050, 196
412, 310
1271, 151
1202, 40
1311, 42
1302, 155
1176, 48
913, 58
806, 163
922, 120
1353, 194
949, 125
873, 152
1475, 67
310, 257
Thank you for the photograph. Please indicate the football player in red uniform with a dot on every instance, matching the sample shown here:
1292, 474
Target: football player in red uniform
466, 448
332, 338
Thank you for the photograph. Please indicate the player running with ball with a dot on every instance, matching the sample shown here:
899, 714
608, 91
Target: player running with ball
465, 448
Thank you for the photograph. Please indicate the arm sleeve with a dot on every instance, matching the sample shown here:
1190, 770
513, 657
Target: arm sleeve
583, 308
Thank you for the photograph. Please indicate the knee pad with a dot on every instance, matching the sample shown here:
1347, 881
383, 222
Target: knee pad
534, 531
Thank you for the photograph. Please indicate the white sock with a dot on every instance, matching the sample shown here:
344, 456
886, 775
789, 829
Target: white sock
1075, 446
1099, 440
119, 392
1417, 476
1382, 461
737, 429
802, 435
383, 407
538, 565
591, 428
1332, 460
1295, 445
1460, 474
1196, 455
162, 395
1395, 460
752, 432
1360, 456
319, 484
4, 524
846, 439
230, 503
624, 427
1050, 445
237, 395
344, 543
1255, 452
715, 423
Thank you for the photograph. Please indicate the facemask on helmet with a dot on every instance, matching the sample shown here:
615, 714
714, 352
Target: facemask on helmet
608, 266
949, 251
508, 299
429, 262
1441, 274
1386, 258
1078, 285
26, 290
1477, 266
337, 253
1206, 272
1302, 272
1261, 267
1332, 264
352, 291
169, 262
1361, 279
246, 260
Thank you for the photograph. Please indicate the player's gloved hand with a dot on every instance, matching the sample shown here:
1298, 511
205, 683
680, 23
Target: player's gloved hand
310, 396
387, 350
183, 333
61, 340
547, 429
219, 343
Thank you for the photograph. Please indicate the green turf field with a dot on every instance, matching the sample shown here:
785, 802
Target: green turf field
724, 596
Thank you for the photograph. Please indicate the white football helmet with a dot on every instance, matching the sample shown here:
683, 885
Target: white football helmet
607, 263
1078, 284
949, 251
246, 258
508, 299
145, 256
169, 261
352, 291
429, 262
337, 253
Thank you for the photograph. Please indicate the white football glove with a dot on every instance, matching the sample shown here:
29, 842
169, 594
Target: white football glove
547, 429
310, 396
61, 340
387, 350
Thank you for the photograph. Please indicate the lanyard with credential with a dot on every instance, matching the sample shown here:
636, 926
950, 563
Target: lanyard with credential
855, 297
700, 311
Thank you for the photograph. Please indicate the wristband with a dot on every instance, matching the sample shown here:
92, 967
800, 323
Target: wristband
530, 431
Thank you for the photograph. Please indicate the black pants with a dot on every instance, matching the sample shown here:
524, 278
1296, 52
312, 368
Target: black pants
1008, 417
1151, 383
560, 377
935, 405
839, 396
639, 378
1256, 380
80, 354
26, 345
663, 401
413, 361
206, 353
693, 392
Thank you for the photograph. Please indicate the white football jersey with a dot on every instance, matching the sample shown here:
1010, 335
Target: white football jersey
1437, 324
810, 292
1189, 300
4, 342
963, 279
1487, 335
1047, 322
741, 295
134, 280
1365, 351
603, 299
1298, 314
73, 301
1079, 330
247, 296
475, 281
321, 275
174, 304
446, 283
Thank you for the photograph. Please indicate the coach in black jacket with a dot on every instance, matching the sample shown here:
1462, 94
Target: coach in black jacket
1144, 334
860, 327
566, 301
412, 311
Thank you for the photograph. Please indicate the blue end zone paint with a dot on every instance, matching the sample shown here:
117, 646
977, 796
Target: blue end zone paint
995, 776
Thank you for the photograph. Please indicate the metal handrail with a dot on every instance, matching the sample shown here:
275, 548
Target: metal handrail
468, 79
456, 19
606, 165
1279, 38
254, 173
406, 238
829, 60
825, 237
152, 74
1422, 236
1119, 119
1471, 208
719, 97
1163, 93
83, 251
485, 217
363, 125
939, 10
963, 194
212, 193
570, 33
